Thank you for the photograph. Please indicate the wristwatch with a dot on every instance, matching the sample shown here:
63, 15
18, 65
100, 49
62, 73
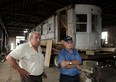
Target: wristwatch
70, 63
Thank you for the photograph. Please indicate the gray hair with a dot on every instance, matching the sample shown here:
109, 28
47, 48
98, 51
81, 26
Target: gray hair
31, 34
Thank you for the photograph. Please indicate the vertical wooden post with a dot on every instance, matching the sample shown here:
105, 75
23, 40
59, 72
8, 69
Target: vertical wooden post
48, 53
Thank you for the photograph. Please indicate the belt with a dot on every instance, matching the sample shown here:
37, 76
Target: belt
70, 76
35, 75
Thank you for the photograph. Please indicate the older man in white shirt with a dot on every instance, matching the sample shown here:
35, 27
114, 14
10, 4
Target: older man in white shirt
30, 58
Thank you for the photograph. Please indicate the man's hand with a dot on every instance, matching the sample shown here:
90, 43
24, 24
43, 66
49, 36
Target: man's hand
75, 62
23, 73
78, 67
64, 63
15, 65
44, 75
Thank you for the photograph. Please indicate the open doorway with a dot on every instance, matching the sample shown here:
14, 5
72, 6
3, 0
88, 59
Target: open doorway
104, 37
20, 40
62, 25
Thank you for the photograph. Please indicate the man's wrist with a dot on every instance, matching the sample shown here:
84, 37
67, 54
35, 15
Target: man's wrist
70, 63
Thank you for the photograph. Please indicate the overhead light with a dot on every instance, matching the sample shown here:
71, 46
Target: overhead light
25, 31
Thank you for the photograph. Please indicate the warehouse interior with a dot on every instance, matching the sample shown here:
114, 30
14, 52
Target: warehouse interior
19, 17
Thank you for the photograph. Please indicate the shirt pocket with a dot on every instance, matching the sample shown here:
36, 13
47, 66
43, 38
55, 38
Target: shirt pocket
32, 58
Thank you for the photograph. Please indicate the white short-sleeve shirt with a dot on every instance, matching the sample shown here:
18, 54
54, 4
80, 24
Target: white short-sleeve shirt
29, 59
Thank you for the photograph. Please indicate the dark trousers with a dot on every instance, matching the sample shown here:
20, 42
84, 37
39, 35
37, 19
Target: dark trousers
32, 79
65, 78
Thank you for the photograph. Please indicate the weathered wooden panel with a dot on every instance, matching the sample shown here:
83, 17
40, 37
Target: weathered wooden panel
71, 29
48, 53
48, 29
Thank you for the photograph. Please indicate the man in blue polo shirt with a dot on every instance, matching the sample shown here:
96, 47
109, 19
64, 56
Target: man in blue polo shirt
69, 60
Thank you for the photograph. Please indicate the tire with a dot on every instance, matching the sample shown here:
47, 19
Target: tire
3, 60
115, 64
56, 61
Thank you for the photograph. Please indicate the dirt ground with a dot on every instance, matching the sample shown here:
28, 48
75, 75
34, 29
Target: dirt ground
7, 74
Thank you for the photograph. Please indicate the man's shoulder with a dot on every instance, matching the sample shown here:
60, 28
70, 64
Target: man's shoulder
62, 50
75, 49
23, 45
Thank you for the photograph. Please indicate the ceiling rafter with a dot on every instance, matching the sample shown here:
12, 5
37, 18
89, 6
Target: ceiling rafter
45, 9
21, 14
51, 3
17, 5
21, 27
10, 4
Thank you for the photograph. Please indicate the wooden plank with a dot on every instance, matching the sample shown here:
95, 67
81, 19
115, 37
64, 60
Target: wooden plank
43, 42
48, 53
108, 49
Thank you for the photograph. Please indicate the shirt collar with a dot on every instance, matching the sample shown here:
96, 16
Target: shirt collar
30, 44
68, 51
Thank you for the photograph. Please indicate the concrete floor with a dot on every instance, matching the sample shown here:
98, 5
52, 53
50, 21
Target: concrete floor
7, 74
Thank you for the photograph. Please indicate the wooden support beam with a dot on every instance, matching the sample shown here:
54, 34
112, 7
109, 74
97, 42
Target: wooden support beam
48, 53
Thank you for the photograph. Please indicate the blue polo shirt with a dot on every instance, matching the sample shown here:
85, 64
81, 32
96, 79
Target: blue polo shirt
65, 55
